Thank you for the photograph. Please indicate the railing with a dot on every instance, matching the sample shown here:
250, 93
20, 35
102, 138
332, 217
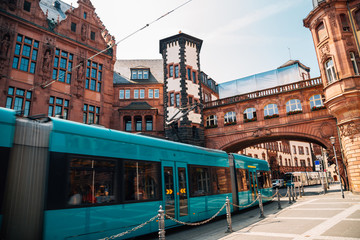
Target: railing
266, 92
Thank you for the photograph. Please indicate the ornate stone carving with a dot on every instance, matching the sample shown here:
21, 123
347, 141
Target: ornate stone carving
48, 55
326, 130
324, 51
349, 129
261, 132
83, 32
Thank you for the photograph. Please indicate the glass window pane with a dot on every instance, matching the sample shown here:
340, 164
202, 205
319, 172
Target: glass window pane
9, 102
18, 104
17, 49
15, 63
11, 91
141, 180
26, 50
24, 64
34, 55
91, 182
32, 67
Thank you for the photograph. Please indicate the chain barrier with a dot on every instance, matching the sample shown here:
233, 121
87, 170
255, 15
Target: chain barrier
190, 224
198, 223
131, 230
270, 198
246, 205
284, 195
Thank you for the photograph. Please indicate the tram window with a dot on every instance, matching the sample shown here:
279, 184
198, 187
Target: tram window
141, 181
91, 181
263, 179
220, 180
199, 181
242, 176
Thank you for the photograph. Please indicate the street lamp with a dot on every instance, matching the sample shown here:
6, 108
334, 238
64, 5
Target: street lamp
332, 140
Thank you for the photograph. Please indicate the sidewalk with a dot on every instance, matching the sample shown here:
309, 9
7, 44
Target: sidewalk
315, 216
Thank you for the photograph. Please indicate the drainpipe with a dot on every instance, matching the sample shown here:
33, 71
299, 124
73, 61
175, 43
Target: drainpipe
353, 26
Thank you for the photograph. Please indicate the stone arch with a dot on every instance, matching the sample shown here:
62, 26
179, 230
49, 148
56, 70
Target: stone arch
242, 142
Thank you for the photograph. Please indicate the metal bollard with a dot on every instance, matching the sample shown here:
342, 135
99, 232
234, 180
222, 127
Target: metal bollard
303, 191
261, 206
289, 194
161, 216
292, 193
278, 197
228, 216
295, 192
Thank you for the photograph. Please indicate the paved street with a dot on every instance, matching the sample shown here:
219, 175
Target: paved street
315, 216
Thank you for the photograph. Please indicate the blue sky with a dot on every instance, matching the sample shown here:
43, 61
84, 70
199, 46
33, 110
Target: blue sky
240, 38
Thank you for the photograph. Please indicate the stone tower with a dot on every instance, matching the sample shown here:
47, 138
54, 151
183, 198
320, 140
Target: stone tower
182, 89
335, 28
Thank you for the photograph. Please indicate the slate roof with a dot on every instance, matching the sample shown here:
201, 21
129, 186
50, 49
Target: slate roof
53, 12
122, 71
138, 106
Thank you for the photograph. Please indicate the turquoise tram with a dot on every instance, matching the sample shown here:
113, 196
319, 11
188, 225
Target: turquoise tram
66, 180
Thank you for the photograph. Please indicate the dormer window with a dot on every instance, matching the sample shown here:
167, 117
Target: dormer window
139, 74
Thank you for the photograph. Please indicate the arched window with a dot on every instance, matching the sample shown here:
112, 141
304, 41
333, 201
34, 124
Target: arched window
127, 122
149, 123
263, 156
230, 117
293, 106
138, 123
316, 101
250, 114
330, 71
211, 121
354, 64
271, 110
321, 32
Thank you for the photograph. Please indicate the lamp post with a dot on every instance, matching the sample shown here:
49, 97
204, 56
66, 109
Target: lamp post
332, 140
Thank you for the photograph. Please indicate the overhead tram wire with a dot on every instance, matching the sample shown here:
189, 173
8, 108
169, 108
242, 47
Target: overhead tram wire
112, 45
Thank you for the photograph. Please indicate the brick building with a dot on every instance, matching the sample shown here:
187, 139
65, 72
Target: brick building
335, 28
45, 65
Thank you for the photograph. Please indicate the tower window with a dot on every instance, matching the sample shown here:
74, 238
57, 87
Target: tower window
27, 6
330, 71
321, 32
73, 27
353, 61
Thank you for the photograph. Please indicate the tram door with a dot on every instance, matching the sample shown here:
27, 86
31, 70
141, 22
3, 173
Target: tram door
253, 184
175, 190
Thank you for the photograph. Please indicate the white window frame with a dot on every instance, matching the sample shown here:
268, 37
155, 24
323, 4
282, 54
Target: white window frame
156, 93
142, 93
330, 71
151, 93
136, 93
127, 94
121, 94
230, 117
293, 105
316, 101
271, 109
353, 61
211, 120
